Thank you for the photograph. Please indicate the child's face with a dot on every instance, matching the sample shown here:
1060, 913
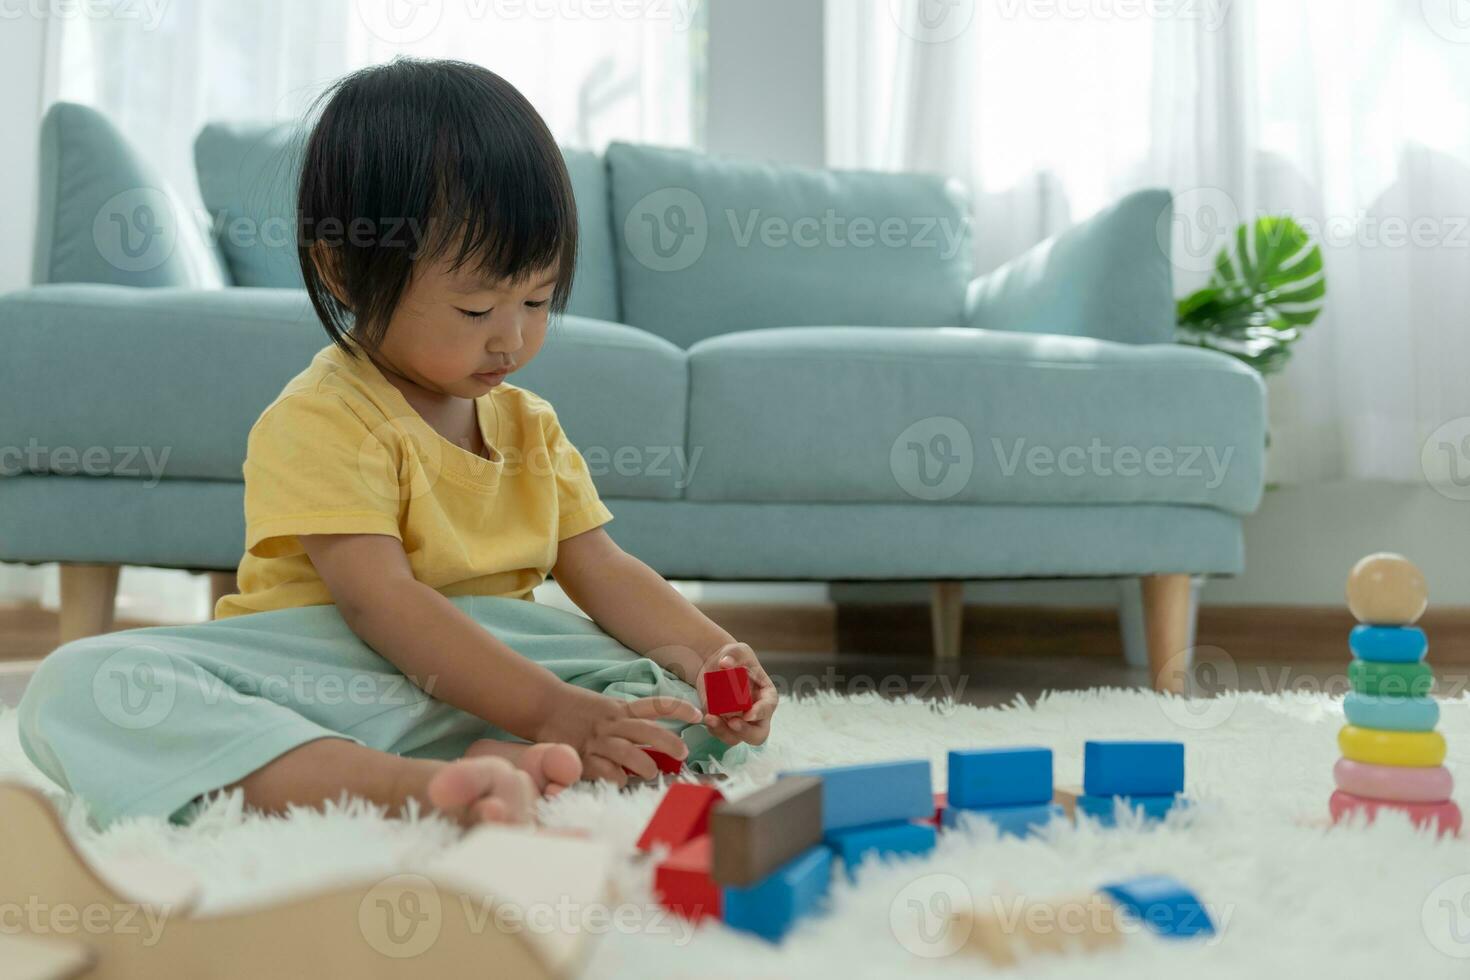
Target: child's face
456, 334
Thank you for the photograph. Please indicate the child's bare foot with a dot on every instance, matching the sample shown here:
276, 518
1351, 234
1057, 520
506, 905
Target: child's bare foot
552, 766
486, 789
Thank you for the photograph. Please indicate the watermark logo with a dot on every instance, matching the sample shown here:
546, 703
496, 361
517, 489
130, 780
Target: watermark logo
667, 230
1445, 459
1445, 917
136, 230
933, 458
1201, 221
932, 21
400, 21
401, 916
1450, 19
1206, 675
135, 687
424, 450
922, 915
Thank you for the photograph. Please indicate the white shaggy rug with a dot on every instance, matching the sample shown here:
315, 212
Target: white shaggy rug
1292, 899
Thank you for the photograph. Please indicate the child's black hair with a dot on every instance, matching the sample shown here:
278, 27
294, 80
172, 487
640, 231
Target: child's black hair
416, 160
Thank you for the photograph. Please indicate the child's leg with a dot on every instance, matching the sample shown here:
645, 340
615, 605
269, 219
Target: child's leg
499, 786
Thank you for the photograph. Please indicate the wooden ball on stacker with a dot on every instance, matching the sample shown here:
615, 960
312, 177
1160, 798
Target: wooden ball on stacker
1387, 590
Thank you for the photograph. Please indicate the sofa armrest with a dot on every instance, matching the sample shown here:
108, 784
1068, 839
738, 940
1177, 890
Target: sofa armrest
94, 375
1109, 278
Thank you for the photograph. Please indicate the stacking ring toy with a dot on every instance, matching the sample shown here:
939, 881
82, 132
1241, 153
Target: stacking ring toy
1394, 714
1389, 644
1445, 815
1391, 680
1403, 784
1379, 748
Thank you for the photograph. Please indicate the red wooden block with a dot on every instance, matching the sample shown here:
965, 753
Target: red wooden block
682, 815
665, 762
941, 800
1445, 816
727, 692
683, 884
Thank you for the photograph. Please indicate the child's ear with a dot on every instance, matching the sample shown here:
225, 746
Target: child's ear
325, 260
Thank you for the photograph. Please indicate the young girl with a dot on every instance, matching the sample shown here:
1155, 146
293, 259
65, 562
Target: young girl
402, 499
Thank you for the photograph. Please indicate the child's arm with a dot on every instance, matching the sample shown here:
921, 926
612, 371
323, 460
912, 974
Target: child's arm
633, 603
457, 660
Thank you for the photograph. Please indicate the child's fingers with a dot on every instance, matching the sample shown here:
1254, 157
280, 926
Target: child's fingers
597, 769
647, 733
764, 707
664, 706
626, 754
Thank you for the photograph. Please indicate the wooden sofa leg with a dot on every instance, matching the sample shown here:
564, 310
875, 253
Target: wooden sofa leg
88, 598
221, 584
946, 617
1166, 611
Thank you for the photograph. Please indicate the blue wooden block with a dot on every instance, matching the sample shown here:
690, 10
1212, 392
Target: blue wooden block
1015, 821
771, 906
1388, 644
1132, 768
882, 792
1163, 904
855, 845
1104, 808
1000, 777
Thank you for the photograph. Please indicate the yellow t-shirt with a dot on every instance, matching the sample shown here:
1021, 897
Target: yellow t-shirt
340, 451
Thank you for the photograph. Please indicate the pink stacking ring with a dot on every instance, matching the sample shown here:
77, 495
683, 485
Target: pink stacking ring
1445, 815
1405, 784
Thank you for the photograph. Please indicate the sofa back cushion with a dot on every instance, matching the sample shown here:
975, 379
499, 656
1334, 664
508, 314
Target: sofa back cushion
105, 215
709, 245
248, 175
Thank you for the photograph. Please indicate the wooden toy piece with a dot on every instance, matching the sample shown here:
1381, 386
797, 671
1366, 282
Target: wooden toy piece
1381, 748
758, 833
666, 763
683, 883
401, 926
1444, 816
1011, 821
858, 844
1066, 798
1163, 904
1393, 714
1085, 923
1388, 644
876, 792
1133, 768
1104, 809
682, 815
727, 692
1000, 777
941, 801
1403, 784
770, 907
42, 958
1387, 590
1390, 680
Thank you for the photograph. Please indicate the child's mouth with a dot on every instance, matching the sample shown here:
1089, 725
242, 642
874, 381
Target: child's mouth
491, 377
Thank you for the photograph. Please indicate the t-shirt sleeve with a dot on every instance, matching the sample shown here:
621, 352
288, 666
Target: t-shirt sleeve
578, 506
312, 466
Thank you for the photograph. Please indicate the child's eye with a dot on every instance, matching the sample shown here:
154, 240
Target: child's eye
475, 314
536, 304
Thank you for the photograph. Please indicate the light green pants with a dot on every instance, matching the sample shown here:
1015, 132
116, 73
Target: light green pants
143, 721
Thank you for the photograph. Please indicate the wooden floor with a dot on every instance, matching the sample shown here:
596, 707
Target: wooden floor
28, 632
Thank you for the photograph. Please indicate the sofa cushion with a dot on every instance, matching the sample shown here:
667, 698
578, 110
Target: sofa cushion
622, 397
248, 176
708, 245
971, 416
106, 215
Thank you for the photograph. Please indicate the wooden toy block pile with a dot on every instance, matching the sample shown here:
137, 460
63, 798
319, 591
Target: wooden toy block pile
1392, 758
763, 861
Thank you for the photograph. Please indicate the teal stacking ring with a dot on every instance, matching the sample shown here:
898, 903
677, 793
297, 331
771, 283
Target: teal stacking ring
1389, 644
1391, 714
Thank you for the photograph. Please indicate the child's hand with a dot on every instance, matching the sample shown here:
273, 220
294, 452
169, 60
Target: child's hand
754, 726
609, 733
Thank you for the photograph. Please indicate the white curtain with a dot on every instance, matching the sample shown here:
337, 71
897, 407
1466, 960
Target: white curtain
1351, 115
596, 70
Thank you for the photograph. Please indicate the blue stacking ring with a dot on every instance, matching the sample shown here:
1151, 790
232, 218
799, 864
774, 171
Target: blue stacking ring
1389, 644
1392, 714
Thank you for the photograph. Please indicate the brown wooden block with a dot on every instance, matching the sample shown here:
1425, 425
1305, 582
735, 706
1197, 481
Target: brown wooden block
1066, 798
756, 834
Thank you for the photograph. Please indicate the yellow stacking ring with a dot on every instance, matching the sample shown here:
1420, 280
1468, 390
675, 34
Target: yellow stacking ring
1377, 747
